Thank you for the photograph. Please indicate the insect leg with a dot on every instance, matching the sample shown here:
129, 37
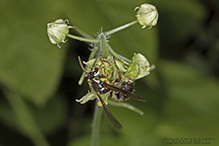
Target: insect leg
101, 59
111, 78
117, 68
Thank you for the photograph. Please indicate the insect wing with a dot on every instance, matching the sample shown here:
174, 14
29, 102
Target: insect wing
109, 114
129, 94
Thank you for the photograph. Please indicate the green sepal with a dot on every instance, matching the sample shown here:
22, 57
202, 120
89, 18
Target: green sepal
144, 65
139, 67
87, 97
132, 71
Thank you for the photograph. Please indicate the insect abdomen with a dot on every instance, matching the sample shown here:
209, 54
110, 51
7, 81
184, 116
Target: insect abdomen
126, 86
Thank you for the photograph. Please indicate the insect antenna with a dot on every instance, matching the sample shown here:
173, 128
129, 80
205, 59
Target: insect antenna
96, 60
79, 59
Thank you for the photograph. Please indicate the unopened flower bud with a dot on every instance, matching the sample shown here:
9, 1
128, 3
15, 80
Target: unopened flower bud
147, 15
57, 31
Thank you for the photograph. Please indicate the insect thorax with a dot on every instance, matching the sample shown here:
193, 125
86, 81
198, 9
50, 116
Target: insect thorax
97, 84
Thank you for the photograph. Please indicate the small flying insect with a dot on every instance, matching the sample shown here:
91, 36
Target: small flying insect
120, 89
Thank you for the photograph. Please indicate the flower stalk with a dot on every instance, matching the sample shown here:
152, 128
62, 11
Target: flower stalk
81, 32
126, 105
103, 46
83, 39
95, 133
120, 28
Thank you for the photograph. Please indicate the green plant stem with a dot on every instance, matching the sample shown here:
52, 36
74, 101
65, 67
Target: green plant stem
120, 57
103, 47
83, 39
81, 32
25, 119
120, 28
95, 133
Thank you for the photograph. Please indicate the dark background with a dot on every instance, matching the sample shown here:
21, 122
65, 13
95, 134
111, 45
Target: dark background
39, 81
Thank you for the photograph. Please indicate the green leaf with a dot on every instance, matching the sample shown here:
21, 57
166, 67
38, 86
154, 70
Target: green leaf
180, 18
191, 87
46, 121
29, 64
192, 107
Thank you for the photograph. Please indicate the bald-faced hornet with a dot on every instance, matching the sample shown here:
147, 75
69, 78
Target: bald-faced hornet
101, 82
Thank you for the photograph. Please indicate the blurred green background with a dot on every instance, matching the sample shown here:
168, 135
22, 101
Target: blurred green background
38, 81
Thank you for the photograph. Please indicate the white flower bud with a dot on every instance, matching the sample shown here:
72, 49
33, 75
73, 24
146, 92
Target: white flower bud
57, 31
147, 15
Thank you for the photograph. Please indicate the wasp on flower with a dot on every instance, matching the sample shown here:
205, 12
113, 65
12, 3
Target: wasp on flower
108, 73
106, 78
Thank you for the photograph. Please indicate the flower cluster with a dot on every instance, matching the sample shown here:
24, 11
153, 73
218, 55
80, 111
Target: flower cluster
108, 73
